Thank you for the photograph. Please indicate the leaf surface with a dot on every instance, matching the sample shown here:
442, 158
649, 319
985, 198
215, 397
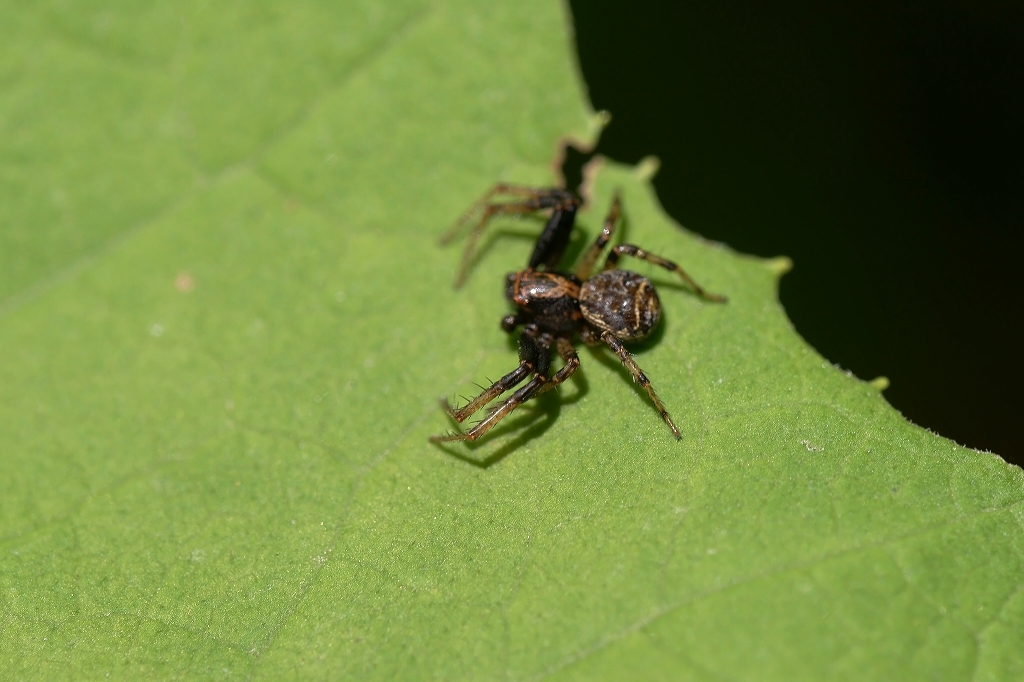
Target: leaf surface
225, 324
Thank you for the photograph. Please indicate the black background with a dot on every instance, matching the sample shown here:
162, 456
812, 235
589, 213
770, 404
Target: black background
879, 146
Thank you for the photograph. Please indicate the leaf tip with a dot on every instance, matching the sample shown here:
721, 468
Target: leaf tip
647, 168
600, 121
780, 265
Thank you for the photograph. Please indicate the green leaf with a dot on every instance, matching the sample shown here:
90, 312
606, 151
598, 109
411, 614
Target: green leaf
225, 323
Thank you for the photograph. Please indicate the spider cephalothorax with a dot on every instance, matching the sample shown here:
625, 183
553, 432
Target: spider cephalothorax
552, 307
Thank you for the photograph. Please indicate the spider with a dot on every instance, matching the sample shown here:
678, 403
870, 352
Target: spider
612, 307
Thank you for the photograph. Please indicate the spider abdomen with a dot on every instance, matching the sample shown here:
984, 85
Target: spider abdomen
621, 302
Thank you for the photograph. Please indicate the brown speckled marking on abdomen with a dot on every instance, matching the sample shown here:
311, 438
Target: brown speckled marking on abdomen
621, 302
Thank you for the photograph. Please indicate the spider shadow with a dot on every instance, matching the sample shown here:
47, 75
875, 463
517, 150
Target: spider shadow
530, 421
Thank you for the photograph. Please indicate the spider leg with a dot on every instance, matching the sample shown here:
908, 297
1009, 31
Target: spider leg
586, 265
528, 391
514, 208
572, 363
538, 385
629, 250
640, 377
531, 358
510, 322
552, 241
485, 200
589, 336
548, 197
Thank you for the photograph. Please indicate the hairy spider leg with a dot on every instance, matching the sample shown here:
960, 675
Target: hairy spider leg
528, 391
532, 358
538, 385
635, 251
586, 265
572, 363
513, 208
640, 377
550, 245
499, 188
543, 197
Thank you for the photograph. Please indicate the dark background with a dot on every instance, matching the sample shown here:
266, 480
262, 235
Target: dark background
879, 146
